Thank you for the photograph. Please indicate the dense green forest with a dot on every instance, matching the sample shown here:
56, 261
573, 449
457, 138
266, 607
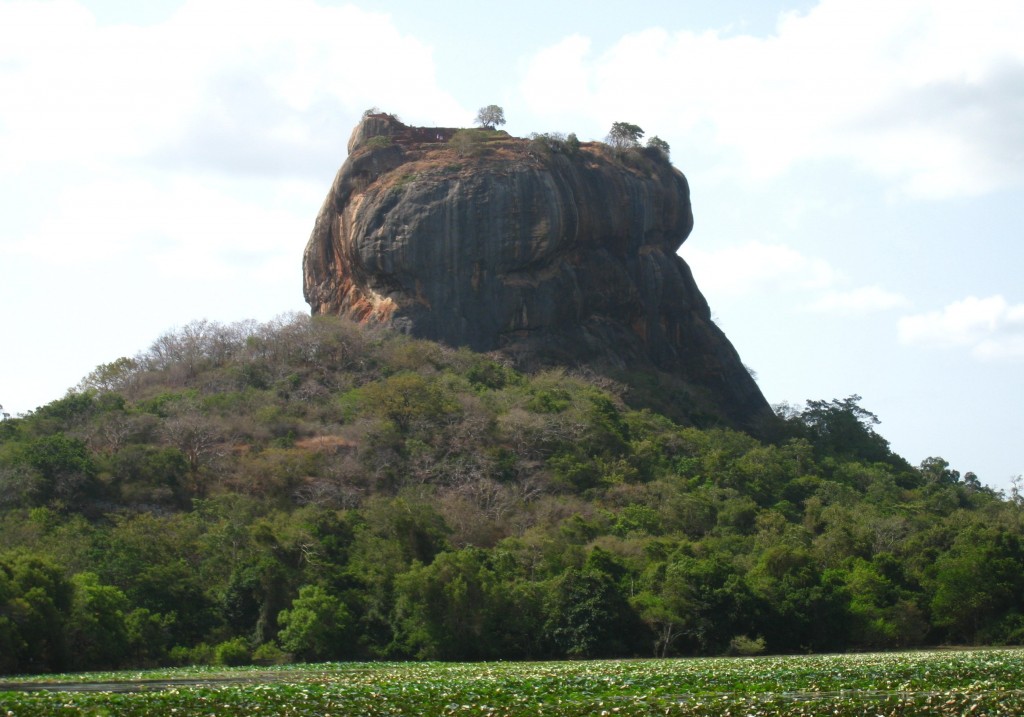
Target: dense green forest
309, 489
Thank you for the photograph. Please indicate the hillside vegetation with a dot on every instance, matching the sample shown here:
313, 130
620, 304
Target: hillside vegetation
309, 489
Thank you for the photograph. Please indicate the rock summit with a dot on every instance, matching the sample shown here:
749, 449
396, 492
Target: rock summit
548, 251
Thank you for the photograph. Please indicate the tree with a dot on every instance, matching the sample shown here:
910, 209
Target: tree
451, 608
35, 603
97, 635
702, 600
659, 144
194, 434
664, 613
118, 375
490, 117
804, 608
408, 399
149, 475
883, 614
174, 589
936, 470
315, 625
978, 585
65, 465
842, 429
624, 135
588, 616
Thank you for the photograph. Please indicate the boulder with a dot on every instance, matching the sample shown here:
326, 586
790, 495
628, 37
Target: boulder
548, 252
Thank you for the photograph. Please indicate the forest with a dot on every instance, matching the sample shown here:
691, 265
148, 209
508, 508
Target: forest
308, 489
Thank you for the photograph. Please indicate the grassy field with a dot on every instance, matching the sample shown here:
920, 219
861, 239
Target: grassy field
986, 682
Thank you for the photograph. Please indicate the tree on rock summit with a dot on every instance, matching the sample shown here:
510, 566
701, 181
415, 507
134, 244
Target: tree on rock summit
490, 117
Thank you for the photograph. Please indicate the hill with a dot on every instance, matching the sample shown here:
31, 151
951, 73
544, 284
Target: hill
316, 489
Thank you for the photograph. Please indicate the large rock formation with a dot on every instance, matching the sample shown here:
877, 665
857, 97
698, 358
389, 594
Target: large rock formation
548, 253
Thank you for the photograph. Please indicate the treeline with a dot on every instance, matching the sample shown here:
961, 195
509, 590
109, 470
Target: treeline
308, 489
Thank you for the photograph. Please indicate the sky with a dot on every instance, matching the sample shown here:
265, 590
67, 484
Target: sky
856, 170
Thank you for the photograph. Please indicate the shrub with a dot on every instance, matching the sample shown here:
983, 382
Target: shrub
660, 145
745, 646
554, 142
232, 653
201, 654
270, 654
468, 142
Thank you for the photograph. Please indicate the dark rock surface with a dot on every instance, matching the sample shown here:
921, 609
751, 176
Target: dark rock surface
550, 257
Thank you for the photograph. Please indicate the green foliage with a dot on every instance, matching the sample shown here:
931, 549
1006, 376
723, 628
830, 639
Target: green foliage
589, 616
117, 375
490, 117
942, 683
659, 145
414, 526
200, 654
269, 654
65, 466
468, 142
407, 399
35, 605
149, 475
883, 609
486, 374
746, 646
979, 586
315, 490
547, 143
843, 429
314, 627
232, 653
624, 135
548, 401
98, 636
643, 519
150, 636
452, 608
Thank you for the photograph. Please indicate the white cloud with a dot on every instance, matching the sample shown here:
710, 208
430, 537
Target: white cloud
862, 300
991, 327
923, 93
199, 146
557, 80
179, 227
757, 267
241, 87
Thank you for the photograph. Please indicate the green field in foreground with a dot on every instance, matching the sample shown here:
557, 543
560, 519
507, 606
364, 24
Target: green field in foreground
984, 682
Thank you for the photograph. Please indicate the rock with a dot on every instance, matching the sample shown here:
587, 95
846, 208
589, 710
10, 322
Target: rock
546, 253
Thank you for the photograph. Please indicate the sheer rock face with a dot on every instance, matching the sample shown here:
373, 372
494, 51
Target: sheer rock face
549, 257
